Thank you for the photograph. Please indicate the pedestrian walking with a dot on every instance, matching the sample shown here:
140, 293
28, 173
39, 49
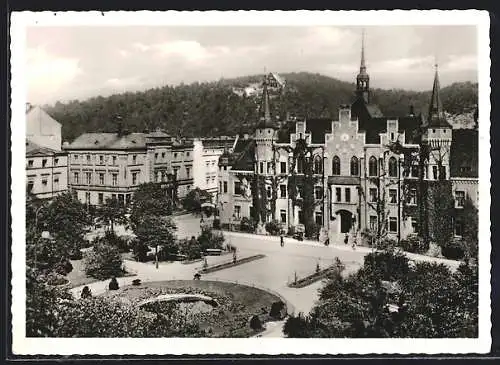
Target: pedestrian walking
327, 241
354, 243
282, 240
346, 239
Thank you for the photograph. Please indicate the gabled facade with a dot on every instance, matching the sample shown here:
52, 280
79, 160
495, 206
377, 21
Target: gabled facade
42, 129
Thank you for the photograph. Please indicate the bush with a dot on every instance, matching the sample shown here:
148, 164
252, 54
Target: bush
103, 262
255, 323
64, 267
76, 254
386, 265
312, 231
56, 279
209, 239
247, 225
216, 223
387, 244
121, 243
297, 327
453, 250
140, 250
191, 249
414, 244
113, 284
136, 282
278, 310
273, 228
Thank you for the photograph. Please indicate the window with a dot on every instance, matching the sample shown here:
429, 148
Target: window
76, 178
318, 165
393, 196
163, 155
225, 168
225, 186
88, 159
261, 166
75, 157
269, 192
175, 154
237, 212
442, 172
392, 136
282, 191
188, 172
101, 178
44, 162
300, 165
220, 186
412, 196
393, 167
127, 199
348, 195
354, 166
100, 198
435, 172
338, 194
237, 187
101, 159
121, 199
134, 158
87, 197
459, 228
30, 163
283, 167
88, 177
134, 178
372, 167
156, 157
459, 199
318, 218
207, 180
393, 224
114, 160
44, 182
318, 192
269, 166
115, 179
373, 195
187, 153
30, 186
336, 165
301, 217
56, 183
213, 179
283, 215
414, 170
56, 161
373, 222
414, 225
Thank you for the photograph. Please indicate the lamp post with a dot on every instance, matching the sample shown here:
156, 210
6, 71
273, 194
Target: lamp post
45, 236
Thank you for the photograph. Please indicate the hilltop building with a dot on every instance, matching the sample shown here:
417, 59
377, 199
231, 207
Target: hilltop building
359, 170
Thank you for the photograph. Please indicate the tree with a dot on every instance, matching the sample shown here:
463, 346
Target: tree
111, 213
209, 239
194, 199
156, 231
470, 219
150, 199
103, 261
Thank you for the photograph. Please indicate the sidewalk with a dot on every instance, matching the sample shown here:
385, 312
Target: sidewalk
412, 256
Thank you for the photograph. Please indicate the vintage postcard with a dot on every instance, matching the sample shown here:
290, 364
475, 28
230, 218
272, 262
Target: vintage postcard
302, 182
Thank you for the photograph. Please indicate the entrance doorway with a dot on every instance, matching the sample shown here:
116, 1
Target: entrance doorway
345, 221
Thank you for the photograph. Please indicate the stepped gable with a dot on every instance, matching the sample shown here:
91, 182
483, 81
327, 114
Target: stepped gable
318, 127
464, 153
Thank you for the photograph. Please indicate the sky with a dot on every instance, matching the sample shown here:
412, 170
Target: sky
79, 62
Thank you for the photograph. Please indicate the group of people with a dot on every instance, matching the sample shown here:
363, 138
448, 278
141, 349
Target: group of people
354, 242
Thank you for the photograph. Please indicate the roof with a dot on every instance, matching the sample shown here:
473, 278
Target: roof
286, 130
464, 153
374, 110
243, 156
409, 124
109, 141
32, 150
318, 127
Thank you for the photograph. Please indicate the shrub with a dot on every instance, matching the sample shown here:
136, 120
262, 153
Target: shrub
273, 228
216, 223
255, 323
414, 244
277, 310
103, 261
297, 327
247, 225
76, 254
113, 284
64, 267
121, 243
56, 279
191, 249
453, 250
140, 250
387, 243
386, 265
136, 282
209, 239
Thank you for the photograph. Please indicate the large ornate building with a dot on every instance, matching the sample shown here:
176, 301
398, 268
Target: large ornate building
358, 170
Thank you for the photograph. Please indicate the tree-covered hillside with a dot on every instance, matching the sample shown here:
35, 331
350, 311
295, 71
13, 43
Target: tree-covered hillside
203, 109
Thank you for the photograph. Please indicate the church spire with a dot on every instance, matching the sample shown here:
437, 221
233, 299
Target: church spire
436, 107
363, 79
266, 117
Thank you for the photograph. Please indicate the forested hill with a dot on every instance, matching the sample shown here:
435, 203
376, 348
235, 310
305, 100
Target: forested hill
203, 109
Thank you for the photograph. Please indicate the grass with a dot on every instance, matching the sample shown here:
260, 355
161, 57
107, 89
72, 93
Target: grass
238, 303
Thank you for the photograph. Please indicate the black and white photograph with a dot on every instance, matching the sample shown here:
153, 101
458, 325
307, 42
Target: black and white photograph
309, 182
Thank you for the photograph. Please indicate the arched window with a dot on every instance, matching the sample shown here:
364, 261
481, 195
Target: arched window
372, 166
354, 166
336, 165
318, 165
393, 167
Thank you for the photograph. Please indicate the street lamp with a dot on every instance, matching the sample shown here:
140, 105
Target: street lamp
45, 236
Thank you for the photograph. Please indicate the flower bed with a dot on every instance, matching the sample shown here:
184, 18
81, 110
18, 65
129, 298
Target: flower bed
231, 264
310, 279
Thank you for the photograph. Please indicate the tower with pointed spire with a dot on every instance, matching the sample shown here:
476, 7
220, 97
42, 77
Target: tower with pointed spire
437, 136
363, 79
